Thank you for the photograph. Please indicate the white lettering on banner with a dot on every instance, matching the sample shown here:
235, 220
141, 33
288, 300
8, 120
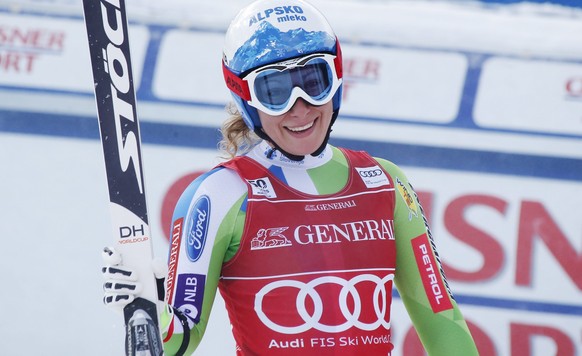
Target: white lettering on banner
365, 230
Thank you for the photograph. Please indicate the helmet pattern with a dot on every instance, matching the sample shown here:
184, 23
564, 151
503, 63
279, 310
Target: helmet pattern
270, 45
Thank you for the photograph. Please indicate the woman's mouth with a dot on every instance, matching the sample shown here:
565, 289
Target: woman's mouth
301, 128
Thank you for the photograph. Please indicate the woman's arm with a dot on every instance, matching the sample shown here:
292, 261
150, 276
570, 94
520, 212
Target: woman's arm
420, 280
206, 217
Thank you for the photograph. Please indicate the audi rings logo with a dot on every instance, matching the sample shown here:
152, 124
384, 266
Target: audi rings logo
371, 173
379, 300
373, 176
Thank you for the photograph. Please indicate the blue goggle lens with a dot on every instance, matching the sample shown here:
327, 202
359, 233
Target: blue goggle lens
273, 87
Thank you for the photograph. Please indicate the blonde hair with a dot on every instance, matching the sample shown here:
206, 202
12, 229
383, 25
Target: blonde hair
237, 137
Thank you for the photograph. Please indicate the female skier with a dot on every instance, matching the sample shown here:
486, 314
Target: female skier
305, 241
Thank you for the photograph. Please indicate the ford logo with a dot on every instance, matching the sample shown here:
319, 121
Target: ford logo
198, 228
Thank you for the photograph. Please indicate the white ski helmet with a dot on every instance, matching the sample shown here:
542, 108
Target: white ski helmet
280, 36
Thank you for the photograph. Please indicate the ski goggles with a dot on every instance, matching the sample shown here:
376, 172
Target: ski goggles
274, 88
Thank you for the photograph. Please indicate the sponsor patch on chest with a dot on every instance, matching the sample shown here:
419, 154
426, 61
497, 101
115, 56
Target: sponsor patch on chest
262, 186
373, 176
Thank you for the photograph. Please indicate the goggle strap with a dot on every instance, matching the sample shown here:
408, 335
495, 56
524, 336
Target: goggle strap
237, 85
337, 61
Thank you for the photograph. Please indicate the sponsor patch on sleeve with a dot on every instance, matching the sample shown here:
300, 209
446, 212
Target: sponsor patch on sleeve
197, 228
408, 198
173, 259
430, 273
190, 295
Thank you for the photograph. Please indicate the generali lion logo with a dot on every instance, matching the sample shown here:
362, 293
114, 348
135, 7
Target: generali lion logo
270, 238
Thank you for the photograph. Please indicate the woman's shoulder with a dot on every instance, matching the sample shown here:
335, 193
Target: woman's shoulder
388, 165
218, 180
219, 188
392, 169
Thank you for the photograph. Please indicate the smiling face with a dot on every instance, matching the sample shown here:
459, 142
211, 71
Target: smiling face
301, 130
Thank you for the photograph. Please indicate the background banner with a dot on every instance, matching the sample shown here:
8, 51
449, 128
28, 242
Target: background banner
481, 105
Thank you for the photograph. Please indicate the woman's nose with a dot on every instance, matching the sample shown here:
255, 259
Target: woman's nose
300, 107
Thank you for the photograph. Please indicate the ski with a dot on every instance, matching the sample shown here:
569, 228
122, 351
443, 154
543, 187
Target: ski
107, 32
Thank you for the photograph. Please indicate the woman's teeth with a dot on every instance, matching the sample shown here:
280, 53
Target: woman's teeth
301, 128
